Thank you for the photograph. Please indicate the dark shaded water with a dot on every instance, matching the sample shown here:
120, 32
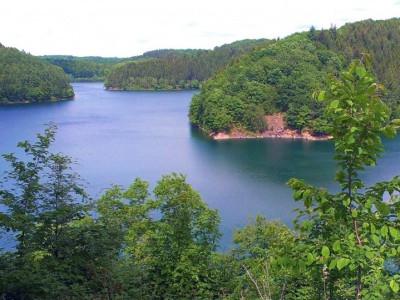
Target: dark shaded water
117, 136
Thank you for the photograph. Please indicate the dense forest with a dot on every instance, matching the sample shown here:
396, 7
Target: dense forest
175, 69
94, 68
378, 38
281, 77
278, 77
88, 68
26, 78
132, 243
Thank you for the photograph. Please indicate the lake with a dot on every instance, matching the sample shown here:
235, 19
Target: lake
119, 135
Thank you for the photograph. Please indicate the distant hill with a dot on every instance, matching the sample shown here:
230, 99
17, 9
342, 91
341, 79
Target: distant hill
88, 68
175, 69
168, 52
95, 68
26, 78
280, 78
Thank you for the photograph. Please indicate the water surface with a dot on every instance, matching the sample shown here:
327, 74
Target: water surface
117, 136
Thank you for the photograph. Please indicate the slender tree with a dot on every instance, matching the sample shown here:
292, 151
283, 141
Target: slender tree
42, 199
353, 234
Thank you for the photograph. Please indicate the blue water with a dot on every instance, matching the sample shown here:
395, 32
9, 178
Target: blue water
117, 136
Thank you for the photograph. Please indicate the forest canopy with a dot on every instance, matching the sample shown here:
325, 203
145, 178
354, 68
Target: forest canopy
89, 68
281, 76
26, 78
277, 78
175, 69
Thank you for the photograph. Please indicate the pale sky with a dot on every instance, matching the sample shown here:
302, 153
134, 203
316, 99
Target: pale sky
124, 28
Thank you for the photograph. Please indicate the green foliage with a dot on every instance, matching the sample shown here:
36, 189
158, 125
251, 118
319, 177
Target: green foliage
162, 245
280, 77
277, 77
168, 241
262, 255
378, 38
90, 68
132, 247
138, 245
353, 233
25, 78
44, 210
174, 69
43, 187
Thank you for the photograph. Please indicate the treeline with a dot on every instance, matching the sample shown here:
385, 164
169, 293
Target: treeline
168, 52
94, 68
25, 78
175, 69
133, 244
280, 77
90, 68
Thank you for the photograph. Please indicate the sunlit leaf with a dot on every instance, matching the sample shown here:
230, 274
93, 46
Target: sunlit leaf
360, 71
332, 263
334, 104
394, 286
336, 246
310, 258
321, 96
384, 231
325, 251
369, 255
393, 232
342, 262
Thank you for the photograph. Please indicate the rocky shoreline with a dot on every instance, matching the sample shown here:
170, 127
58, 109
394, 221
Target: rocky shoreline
285, 134
275, 129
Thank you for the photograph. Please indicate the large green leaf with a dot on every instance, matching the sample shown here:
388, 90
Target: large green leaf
325, 251
342, 262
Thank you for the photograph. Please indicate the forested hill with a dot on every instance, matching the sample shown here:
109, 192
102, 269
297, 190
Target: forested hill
95, 68
281, 77
381, 39
175, 69
26, 78
167, 52
88, 68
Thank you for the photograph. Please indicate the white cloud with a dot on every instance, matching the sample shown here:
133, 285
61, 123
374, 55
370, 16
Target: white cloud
126, 28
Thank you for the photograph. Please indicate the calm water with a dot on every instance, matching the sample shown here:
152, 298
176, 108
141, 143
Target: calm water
117, 136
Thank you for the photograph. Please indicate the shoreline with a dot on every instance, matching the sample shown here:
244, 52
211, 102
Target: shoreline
285, 134
115, 89
275, 129
32, 102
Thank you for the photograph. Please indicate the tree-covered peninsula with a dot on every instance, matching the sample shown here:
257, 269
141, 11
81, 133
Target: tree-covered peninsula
26, 78
175, 69
280, 78
277, 78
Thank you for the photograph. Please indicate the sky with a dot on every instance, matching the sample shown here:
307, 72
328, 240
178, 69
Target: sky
125, 28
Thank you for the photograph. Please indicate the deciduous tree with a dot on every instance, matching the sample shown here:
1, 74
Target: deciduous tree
353, 234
